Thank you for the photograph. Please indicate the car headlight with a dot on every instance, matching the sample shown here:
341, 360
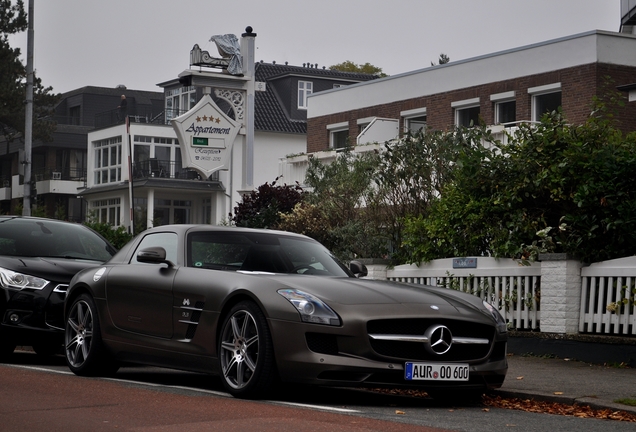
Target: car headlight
310, 307
501, 323
15, 280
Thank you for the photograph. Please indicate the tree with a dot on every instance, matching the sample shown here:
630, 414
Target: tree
553, 187
13, 19
367, 68
443, 59
262, 208
338, 212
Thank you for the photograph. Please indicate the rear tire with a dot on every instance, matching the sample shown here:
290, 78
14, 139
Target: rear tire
85, 352
246, 352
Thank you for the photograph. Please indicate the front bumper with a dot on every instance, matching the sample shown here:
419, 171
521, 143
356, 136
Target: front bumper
352, 362
31, 316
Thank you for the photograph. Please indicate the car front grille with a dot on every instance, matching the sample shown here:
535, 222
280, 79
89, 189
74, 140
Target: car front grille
481, 334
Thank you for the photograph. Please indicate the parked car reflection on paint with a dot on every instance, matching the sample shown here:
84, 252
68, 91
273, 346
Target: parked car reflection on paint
259, 307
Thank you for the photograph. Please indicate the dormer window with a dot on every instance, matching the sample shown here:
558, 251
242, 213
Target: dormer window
305, 88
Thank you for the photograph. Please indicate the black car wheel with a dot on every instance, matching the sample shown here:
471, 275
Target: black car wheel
246, 352
85, 352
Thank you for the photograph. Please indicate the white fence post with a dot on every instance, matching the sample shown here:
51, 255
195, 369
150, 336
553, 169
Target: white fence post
560, 293
376, 267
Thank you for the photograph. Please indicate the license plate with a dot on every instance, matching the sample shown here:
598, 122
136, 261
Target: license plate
436, 372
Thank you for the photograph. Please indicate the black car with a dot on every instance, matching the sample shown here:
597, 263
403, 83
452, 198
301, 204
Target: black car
258, 307
38, 258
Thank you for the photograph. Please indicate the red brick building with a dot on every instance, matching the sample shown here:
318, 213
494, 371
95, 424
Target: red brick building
504, 88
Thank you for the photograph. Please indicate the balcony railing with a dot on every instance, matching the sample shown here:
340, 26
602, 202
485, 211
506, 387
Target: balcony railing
138, 115
68, 174
157, 168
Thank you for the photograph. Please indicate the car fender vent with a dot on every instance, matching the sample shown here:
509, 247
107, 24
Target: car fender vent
194, 317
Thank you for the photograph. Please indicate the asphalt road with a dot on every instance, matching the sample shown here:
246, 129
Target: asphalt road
42, 395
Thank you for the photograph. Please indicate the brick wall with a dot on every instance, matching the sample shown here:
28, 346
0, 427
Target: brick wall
578, 86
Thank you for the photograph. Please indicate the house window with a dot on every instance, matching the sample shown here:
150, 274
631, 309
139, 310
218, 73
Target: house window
107, 160
107, 211
179, 101
171, 212
305, 88
545, 99
363, 123
338, 135
466, 112
414, 120
415, 124
156, 157
505, 112
505, 108
74, 115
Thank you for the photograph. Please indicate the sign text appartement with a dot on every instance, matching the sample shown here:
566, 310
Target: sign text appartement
206, 136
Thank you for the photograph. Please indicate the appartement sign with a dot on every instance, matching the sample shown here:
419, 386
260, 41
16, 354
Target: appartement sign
206, 136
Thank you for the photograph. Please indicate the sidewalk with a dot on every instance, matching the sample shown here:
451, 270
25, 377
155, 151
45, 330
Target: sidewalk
569, 381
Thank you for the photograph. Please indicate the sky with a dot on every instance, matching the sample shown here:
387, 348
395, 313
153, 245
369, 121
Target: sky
140, 43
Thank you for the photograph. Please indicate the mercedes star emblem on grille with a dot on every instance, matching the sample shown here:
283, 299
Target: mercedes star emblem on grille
439, 338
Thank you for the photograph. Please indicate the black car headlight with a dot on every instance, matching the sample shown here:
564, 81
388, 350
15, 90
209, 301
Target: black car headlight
15, 280
310, 307
501, 323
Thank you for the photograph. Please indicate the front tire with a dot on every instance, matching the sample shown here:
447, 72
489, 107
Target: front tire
246, 353
83, 346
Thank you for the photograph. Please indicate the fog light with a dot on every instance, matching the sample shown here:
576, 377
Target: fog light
14, 318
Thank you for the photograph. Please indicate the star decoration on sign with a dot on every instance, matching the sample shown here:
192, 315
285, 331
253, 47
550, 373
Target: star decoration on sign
206, 118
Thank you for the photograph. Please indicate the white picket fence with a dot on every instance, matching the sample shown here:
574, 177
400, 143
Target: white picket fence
607, 297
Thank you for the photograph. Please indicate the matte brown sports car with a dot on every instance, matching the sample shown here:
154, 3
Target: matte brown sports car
258, 307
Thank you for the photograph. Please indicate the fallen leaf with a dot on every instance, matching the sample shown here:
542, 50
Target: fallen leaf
399, 412
486, 409
558, 393
520, 378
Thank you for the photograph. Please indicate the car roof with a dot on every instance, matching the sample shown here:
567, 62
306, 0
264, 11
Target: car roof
185, 228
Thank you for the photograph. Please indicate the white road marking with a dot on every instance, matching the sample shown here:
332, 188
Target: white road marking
319, 407
216, 393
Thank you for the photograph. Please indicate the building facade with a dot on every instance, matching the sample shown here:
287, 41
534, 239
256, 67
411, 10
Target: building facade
163, 191
59, 166
500, 90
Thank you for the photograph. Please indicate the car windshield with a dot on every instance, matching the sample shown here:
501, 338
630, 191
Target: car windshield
261, 252
51, 239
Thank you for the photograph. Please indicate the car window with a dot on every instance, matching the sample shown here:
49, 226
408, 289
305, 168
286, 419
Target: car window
168, 241
51, 239
260, 252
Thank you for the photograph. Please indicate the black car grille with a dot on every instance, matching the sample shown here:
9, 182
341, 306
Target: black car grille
407, 350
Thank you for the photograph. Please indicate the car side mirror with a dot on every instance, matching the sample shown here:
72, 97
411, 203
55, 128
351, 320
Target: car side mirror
153, 255
358, 269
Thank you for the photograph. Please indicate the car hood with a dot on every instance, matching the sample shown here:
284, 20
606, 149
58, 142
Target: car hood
353, 291
53, 269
